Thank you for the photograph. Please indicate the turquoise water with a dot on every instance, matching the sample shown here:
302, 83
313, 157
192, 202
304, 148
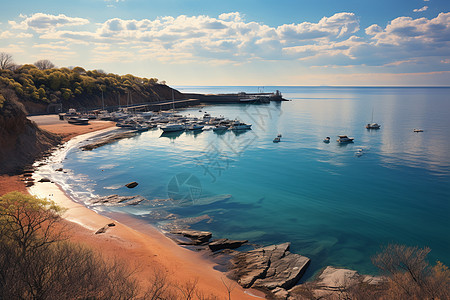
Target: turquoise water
333, 206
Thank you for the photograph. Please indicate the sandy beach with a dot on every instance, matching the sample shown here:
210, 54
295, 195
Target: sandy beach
147, 249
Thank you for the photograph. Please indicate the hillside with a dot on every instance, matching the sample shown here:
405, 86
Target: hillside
21, 141
78, 88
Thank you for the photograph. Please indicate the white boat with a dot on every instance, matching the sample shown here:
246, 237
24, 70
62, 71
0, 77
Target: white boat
194, 127
372, 124
359, 152
78, 121
237, 125
220, 128
345, 139
172, 127
140, 127
418, 130
326, 140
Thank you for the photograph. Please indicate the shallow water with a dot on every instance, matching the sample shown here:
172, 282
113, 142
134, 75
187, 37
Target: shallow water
333, 206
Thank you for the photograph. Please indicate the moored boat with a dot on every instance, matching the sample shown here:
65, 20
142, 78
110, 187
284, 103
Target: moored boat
326, 140
220, 128
237, 125
373, 126
194, 127
345, 139
78, 121
172, 127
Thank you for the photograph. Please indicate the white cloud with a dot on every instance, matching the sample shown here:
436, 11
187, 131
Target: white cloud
421, 9
41, 22
9, 34
338, 25
402, 31
228, 38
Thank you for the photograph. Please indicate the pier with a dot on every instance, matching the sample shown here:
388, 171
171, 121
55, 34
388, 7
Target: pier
238, 97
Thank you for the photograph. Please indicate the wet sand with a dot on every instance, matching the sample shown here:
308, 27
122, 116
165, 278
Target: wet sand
146, 249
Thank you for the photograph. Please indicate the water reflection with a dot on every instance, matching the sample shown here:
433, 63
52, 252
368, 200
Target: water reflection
240, 132
171, 135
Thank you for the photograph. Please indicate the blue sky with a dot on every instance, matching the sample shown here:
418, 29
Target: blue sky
247, 42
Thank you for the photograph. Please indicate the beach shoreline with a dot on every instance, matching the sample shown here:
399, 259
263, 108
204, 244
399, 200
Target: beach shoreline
149, 248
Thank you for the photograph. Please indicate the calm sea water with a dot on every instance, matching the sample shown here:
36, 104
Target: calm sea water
333, 206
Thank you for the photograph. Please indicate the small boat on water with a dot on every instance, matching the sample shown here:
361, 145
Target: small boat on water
248, 99
277, 139
78, 121
279, 135
172, 127
220, 128
194, 127
237, 125
344, 139
359, 152
140, 127
418, 130
326, 140
373, 126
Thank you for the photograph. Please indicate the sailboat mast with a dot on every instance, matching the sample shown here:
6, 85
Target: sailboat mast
173, 102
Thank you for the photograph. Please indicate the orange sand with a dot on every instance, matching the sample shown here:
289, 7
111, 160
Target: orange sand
147, 248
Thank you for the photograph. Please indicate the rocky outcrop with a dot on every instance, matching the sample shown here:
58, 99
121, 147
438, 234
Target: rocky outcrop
116, 200
183, 223
108, 140
333, 283
269, 268
334, 279
221, 244
195, 237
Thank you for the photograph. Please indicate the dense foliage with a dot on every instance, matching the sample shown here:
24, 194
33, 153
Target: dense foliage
62, 84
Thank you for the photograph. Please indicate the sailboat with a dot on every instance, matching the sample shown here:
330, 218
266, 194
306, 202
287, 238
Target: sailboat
372, 124
172, 127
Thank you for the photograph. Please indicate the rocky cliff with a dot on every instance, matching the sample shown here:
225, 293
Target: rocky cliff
21, 141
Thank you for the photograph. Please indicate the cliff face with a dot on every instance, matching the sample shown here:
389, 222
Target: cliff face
21, 141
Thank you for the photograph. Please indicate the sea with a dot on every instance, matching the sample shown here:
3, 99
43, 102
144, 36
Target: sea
337, 204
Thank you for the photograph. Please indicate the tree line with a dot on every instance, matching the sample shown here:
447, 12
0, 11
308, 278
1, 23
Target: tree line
44, 83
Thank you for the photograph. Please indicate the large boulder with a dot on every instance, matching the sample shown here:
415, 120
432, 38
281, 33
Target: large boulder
335, 279
269, 267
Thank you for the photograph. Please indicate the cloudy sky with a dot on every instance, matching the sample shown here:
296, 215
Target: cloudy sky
238, 42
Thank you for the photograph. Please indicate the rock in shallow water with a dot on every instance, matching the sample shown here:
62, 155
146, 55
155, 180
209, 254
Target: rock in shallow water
131, 185
220, 244
116, 200
197, 237
269, 267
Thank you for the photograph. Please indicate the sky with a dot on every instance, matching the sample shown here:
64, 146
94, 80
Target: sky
238, 42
